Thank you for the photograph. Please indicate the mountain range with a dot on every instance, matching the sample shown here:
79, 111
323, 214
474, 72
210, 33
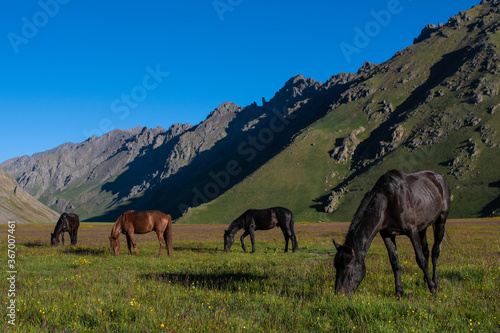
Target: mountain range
315, 147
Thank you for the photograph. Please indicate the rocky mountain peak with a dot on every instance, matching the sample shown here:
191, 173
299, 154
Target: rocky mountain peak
295, 89
297, 85
224, 109
179, 128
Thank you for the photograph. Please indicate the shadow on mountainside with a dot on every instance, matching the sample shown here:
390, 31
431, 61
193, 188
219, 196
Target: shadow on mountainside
367, 152
214, 171
493, 208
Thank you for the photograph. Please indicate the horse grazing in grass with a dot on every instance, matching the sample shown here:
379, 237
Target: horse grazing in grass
67, 223
261, 219
398, 204
131, 223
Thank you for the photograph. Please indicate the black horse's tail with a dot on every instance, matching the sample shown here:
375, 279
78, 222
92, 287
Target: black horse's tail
289, 227
295, 244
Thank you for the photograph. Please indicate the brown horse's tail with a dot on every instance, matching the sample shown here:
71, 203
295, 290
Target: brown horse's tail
168, 236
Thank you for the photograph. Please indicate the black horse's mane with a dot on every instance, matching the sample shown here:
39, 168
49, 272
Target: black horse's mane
63, 222
236, 225
358, 218
371, 202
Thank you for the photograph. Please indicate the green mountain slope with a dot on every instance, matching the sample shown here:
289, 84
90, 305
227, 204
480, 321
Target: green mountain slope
434, 105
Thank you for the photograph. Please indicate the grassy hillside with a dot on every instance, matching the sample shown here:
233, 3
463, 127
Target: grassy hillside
434, 105
17, 205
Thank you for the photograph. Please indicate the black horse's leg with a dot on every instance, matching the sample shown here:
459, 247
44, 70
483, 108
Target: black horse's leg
295, 245
425, 247
419, 254
287, 237
252, 239
246, 233
62, 236
439, 231
390, 244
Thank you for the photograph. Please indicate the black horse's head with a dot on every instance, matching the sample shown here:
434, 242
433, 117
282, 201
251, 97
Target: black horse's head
54, 241
350, 270
228, 240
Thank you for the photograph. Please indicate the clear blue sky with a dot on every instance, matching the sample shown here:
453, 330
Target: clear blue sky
73, 68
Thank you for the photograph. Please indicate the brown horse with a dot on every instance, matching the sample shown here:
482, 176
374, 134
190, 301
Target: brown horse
131, 222
261, 219
398, 204
67, 223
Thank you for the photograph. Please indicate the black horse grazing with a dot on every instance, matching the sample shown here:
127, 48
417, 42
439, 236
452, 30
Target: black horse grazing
67, 223
398, 204
261, 219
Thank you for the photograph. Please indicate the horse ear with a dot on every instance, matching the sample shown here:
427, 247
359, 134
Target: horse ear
337, 245
353, 256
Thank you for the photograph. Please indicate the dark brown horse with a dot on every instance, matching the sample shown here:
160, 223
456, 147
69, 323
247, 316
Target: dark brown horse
261, 219
398, 204
131, 222
67, 223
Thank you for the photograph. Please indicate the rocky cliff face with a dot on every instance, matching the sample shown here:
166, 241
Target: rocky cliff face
136, 167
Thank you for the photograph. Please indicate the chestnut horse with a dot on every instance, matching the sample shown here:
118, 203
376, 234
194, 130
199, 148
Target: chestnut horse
261, 219
67, 223
398, 204
131, 222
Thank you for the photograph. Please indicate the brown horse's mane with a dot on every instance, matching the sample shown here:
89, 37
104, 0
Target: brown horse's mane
117, 227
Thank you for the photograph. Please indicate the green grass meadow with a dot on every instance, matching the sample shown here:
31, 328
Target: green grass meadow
200, 288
